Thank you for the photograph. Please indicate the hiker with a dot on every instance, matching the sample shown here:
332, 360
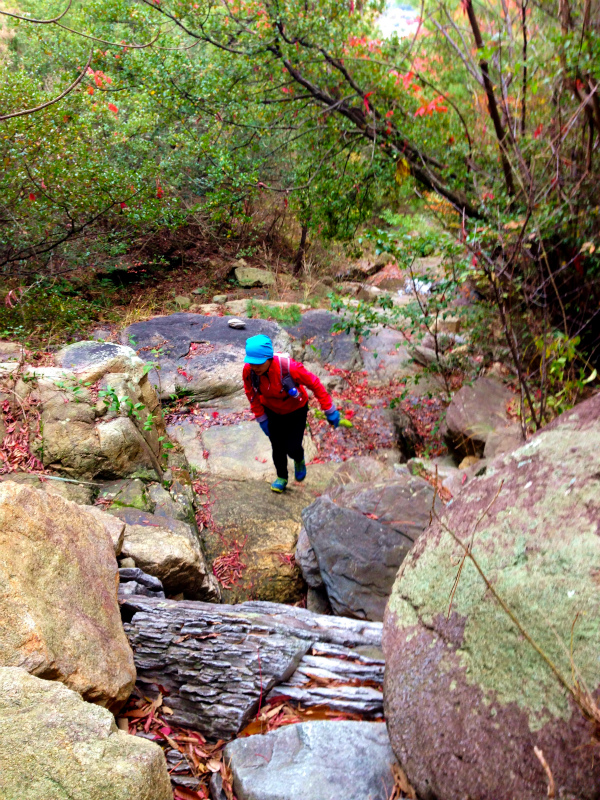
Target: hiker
274, 385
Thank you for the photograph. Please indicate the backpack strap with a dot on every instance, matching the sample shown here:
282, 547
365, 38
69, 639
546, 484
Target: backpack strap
284, 366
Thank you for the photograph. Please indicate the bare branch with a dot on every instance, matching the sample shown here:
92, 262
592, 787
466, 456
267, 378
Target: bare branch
38, 21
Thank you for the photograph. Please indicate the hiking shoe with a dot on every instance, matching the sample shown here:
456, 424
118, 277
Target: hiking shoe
279, 485
300, 470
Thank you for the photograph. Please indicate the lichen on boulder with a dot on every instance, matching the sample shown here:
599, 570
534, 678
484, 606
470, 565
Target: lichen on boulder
464, 688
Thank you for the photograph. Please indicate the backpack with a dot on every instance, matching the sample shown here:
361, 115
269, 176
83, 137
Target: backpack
284, 371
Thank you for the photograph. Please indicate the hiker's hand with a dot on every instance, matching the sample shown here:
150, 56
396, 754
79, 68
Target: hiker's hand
333, 417
265, 426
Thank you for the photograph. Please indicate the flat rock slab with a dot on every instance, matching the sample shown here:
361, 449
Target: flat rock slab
312, 341
58, 604
234, 452
263, 527
217, 661
205, 348
56, 746
317, 760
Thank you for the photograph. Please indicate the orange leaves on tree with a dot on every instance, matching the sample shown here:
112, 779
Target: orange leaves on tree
435, 106
406, 79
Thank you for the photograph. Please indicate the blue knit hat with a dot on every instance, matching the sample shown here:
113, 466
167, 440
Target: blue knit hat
258, 349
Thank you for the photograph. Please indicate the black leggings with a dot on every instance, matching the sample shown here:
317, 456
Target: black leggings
286, 432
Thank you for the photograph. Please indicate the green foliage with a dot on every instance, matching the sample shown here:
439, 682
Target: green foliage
289, 315
568, 373
54, 309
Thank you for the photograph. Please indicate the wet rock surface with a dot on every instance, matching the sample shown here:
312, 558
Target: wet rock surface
312, 341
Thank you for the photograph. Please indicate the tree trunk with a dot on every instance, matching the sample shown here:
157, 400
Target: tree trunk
299, 258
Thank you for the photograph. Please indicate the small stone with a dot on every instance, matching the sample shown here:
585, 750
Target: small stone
220, 299
183, 302
468, 461
126, 493
127, 563
207, 309
448, 324
236, 323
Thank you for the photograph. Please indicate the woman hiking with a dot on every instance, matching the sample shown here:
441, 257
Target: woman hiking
274, 385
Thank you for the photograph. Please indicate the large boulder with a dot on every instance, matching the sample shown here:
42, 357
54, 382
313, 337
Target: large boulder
360, 533
195, 354
317, 760
312, 341
56, 746
465, 683
170, 550
386, 356
58, 602
474, 413
89, 435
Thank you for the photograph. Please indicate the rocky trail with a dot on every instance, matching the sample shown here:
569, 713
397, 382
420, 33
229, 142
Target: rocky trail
314, 645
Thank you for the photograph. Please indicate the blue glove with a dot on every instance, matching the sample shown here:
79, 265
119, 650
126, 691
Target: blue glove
265, 426
333, 417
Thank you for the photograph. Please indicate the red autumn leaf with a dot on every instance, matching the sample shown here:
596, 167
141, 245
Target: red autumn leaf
215, 414
112, 107
90, 90
366, 101
159, 192
187, 794
538, 131
123, 205
32, 197
389, 114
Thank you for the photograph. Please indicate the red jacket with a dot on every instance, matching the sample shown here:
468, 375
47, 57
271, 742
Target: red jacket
273, 396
